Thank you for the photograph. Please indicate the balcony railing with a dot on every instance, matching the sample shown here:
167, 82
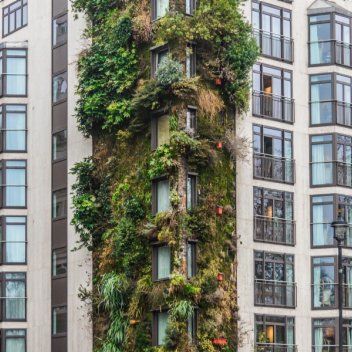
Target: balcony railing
327, 295
331, 173
330, 52
274, 347
274, 45
274, 230
275, 293
273, 168
337, 112
331, 348
344, 174
273, 107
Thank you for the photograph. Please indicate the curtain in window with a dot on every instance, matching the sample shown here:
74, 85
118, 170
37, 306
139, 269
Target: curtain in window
289, 224
317, 287
315, 105
314, 46
15, 345
162, 7
290, 339
290, 289
16, 76
15, 244
190, 260
164, 259
349, 339
318, 338
162, 324
321, 167
163, 195
349, 286
15, 299
320, 233
15, 188
288, 162
348, 219
15, 131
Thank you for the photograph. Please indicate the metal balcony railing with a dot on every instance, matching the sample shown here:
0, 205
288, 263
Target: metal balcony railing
340, 112
274, 230
274, 45
275, 347
331, 173
331, 348
273, 168
273, 107
275, 293
326, 295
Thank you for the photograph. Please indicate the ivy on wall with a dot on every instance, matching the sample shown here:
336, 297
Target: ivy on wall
112, 195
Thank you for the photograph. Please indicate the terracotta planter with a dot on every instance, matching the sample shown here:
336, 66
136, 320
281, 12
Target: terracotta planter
220, 342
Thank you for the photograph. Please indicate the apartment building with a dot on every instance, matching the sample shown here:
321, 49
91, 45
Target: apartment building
298, 176
40, 275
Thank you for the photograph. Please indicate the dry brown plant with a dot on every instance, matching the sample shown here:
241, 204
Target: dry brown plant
210, 103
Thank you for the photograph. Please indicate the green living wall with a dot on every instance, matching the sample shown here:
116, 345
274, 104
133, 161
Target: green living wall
113, 194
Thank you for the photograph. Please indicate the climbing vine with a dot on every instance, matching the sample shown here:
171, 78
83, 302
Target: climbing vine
112, 197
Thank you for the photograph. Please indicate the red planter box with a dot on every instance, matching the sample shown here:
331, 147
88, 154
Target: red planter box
220, 342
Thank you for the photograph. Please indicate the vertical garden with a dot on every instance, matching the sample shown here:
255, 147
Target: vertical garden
159, 90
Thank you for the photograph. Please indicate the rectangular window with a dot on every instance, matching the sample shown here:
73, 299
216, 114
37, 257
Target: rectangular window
13, 180
13, 240
272, 93
274, 279
13, 65
324, 334
329, 39
159, 8
59, 262
13, 289
159, 54
273, 154
13, 340
191, 120
190, 60
60, 145
273, 216
161, 195
60, 87
60, 30
324, 282
191, 191
272, 31
60, 203
190, 7
276, 331
14, 17
13, 128
160, 130
161, 262
160, 322
191, 258
192, 327
59, 320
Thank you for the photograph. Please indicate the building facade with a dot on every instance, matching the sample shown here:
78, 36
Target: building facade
298, 176
40, 274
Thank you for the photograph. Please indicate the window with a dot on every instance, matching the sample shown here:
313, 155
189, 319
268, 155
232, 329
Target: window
13, 240
159, 54
59, 262
160, 130
160, 321
324, 334
324, 48
274, 279
13, 128
161, 262
59, 203
60, 87
60, 30
324, 282
192, 327
191, 191
275, 330
331, 160
273, 216
13, 180
160, 195
159, 8
190, 7
330, 99
14, 17
13, 340
191, 120
59, 320
190, 60
273, 154
13, 64
272, 93
272, 30
191, 258
13, 290
60, 145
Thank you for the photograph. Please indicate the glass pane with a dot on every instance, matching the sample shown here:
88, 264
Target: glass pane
15, 344
15, 134
15, 187
163, 195
162, 7
15, 293
164, 262
59, 203
60, 87
60, 261
16, 76
60, 145
163, 130
15, 246
162, 324
59, 320
60, 30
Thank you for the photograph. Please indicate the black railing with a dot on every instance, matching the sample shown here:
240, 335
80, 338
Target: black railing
274, 230
273, 107
274, 347
273, 168
337, 112
274, 45
275, 293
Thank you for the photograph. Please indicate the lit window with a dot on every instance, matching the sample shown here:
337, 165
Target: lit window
14, 16
60, 87
59, 320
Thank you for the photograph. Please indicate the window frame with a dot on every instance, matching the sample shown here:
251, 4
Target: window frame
155, 182
155, 268
58, 276
193, 7
24, 3
155, 330
154, 54
53, 308
61, 73
53, 31
3, 338
191, 60
52, 146
64, 216
193, 176
155, 128
194, 256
